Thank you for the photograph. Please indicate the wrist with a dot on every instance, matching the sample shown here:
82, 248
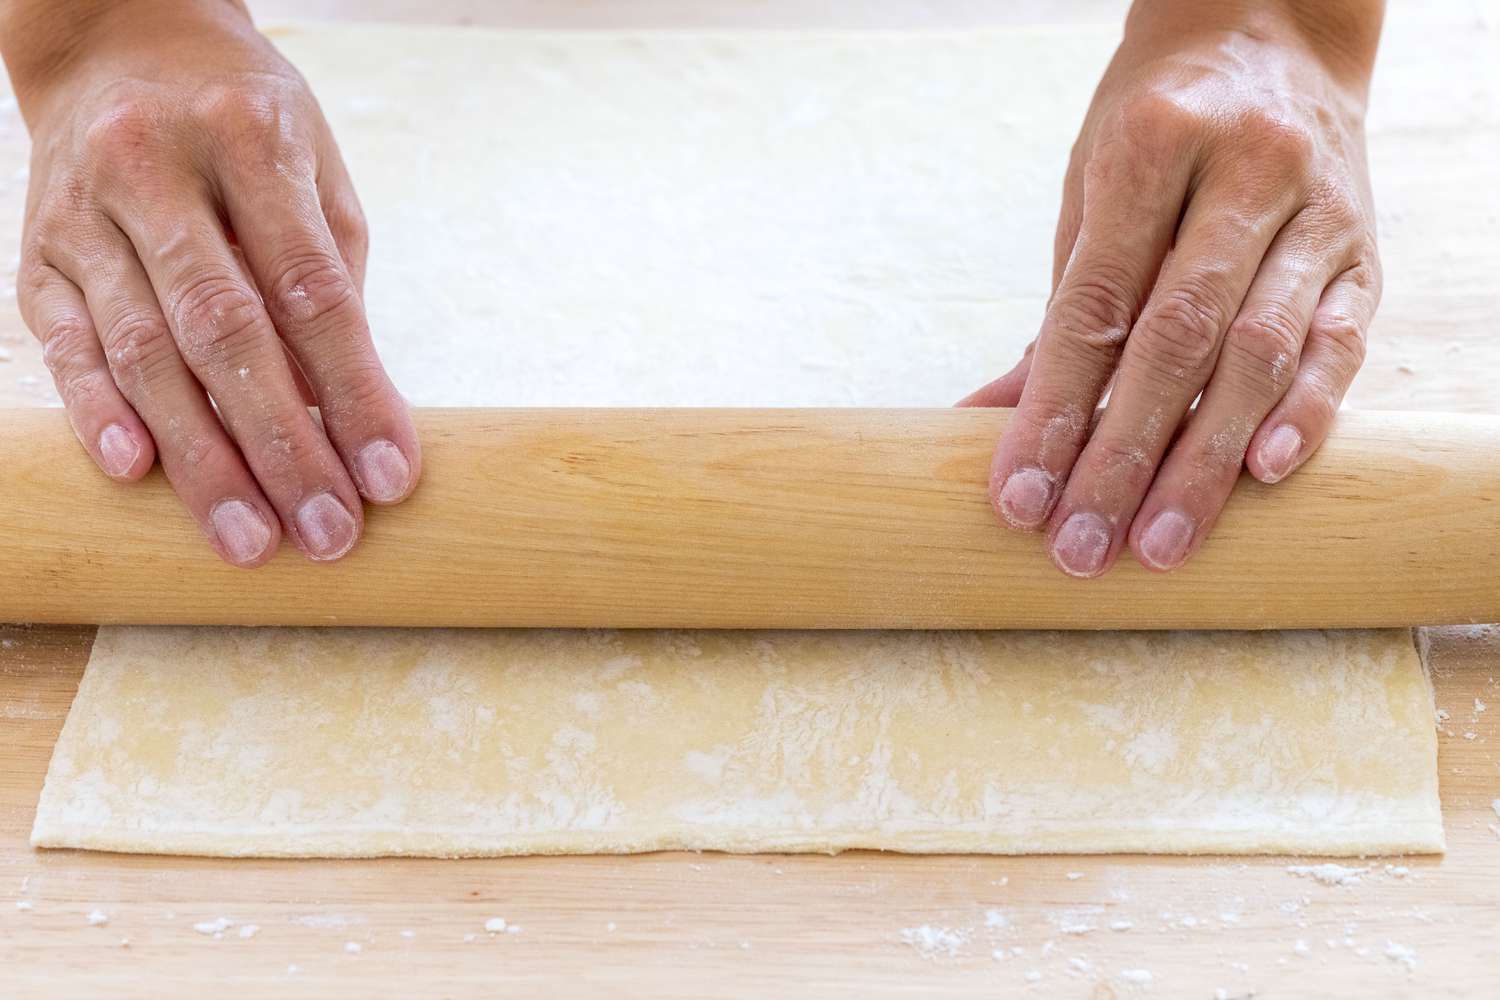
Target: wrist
1341, 35
46, 42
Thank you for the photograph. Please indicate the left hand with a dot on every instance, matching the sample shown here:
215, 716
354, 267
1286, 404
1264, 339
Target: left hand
1216, 238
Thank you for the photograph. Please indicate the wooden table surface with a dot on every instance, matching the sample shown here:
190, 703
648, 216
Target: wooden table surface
694, 925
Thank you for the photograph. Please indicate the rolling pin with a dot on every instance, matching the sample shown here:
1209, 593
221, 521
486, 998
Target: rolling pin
763, 518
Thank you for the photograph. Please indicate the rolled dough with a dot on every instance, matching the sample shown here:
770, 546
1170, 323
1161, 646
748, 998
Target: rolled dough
710, 218
351, 742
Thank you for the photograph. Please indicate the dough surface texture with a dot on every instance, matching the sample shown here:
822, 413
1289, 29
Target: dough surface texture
353, 742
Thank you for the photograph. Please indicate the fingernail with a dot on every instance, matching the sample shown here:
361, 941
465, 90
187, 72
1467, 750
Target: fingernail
1279, 454
118, 449
326, 528
1081, 544
1026, 497
383, 470
1164, 543
241, 530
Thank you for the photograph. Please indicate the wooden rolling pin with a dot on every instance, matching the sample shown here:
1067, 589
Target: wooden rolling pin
764, 518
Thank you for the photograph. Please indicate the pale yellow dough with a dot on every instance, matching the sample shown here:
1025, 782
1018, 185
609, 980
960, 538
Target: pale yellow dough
372, 742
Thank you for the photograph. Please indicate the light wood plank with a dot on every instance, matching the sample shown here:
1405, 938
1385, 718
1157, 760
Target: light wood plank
692, 925
766, 518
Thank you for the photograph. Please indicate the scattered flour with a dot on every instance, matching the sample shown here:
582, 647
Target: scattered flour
353, 947
495, 925
249, 930
214, 928
1073, 925
98, 918
23, 904
1329, 873
1401, 954
1136, 977
993, 919
935, 942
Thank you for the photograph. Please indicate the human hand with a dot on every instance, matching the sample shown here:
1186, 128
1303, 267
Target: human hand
1216, 237
192, 261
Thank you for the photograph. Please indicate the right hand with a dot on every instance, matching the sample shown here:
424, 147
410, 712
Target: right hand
192, 262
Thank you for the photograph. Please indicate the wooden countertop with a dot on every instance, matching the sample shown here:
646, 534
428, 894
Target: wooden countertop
691, 925
686, 925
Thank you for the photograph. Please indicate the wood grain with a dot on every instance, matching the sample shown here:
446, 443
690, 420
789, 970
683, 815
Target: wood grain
687, 925
821, 927
765, 518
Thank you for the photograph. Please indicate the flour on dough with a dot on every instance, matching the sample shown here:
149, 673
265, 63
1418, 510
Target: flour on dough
354, 742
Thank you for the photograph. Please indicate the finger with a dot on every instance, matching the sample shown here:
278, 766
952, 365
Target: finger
315, 304
1166, 363
223, 333
1332, 356
304, 391
1253, 371
106, 425
1130, 210
1005, 390
346, 219
1069, 221
201, 462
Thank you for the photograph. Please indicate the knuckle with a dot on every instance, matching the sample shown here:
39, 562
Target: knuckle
246, 113
1180, 333
1095, 310
258, 124
1156, 116
139, 350
1344, 334
81, 386
203, 455
64, 352
63, 338
1265, 344
1368, 275
363, 387
32, 277
312, 287
1322, 403
1340, 214
217, 317
124, 136
1277, 139
1115, 470
277, 450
